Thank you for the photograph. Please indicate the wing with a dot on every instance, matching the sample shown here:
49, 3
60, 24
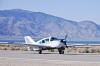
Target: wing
72, 45
33, 45
82, 45
40, 46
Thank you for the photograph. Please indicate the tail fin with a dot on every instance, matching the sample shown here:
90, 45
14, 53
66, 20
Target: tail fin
29, 40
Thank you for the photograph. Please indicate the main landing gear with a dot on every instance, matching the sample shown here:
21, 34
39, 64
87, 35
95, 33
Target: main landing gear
40, 51
60, 50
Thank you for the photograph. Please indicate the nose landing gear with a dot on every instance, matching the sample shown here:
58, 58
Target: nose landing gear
61, 50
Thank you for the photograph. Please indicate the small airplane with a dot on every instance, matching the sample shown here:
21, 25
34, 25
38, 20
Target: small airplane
46, 44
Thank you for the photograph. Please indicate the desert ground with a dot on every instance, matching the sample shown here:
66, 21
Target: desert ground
17, 55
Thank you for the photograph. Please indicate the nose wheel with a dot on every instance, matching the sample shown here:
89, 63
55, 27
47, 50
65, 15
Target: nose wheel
61, 50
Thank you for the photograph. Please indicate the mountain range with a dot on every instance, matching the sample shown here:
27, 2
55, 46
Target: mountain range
17, 23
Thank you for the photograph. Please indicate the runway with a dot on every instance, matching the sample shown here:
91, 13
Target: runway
30, 58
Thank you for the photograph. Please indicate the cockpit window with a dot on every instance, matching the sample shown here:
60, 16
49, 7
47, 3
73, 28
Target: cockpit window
53, 38
47, 40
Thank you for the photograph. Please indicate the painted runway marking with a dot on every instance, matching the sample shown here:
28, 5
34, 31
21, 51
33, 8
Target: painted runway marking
46, 60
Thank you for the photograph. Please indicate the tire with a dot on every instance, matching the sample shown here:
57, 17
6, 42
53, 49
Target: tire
61, 51
40, 52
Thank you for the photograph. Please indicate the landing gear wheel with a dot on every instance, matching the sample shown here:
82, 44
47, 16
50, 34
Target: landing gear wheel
61, 50
40, 52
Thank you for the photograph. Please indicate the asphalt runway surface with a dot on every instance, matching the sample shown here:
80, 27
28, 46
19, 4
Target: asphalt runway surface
30, 58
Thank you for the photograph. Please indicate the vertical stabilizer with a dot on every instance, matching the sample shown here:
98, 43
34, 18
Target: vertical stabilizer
29, 40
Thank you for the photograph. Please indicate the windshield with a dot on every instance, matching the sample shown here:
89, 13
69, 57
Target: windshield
53, 38
47, 40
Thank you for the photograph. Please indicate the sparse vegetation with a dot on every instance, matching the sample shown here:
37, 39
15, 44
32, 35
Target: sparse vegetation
95, 49
84, 49
12, 47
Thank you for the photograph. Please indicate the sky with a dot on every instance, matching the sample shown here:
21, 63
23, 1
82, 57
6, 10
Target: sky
76, 10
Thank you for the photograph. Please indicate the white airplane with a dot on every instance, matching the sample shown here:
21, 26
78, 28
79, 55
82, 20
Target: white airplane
46, 44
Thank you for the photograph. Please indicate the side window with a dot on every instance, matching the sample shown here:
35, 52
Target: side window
51, 39
47, 40
43, 41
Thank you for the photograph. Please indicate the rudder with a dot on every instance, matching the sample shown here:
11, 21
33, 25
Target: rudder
29, 40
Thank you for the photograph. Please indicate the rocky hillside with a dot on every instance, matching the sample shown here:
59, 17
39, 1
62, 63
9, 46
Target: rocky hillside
17, 23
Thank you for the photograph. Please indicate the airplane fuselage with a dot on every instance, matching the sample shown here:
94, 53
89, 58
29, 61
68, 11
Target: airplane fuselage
45, 44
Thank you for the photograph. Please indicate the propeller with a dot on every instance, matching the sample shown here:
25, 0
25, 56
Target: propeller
66, 37
64, 40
